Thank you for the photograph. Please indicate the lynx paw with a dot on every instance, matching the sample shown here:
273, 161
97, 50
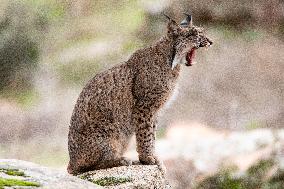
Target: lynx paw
149, 160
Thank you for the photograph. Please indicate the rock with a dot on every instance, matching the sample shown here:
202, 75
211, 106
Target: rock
135, 176
17, 173
23, 174
181, 173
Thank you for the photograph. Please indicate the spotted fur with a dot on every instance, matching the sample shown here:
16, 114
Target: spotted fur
124, 100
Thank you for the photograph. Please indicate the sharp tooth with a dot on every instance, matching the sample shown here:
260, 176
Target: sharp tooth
183, 61
175, 62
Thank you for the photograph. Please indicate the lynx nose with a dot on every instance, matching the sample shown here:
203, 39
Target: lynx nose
210, 42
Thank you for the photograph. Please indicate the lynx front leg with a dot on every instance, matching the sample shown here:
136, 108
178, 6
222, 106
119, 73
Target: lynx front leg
145, 138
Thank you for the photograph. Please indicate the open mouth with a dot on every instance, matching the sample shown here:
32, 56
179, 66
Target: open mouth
189, 57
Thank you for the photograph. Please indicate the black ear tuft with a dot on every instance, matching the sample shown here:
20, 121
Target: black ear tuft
173, 27
169, 18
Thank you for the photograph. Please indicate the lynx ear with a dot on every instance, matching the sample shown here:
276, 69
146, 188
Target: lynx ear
187, 22
173, 27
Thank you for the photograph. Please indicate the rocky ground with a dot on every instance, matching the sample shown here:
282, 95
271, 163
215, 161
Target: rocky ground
136, 176
196, 157
22, 174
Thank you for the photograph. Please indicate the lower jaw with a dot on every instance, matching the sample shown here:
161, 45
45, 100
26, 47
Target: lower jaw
188, 64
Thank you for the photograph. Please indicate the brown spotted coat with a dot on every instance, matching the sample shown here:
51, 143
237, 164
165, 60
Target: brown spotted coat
123, 101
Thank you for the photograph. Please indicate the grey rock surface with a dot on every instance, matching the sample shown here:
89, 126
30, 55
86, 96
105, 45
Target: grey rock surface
47, 178
126, 177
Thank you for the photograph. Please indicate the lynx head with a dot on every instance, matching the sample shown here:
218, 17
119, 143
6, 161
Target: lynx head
187, 38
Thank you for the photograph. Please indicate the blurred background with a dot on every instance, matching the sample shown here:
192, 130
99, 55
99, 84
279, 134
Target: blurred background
226, 123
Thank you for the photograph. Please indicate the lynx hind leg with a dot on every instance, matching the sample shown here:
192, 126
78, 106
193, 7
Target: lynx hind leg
101, 154
78, 168
104, 164
113, 157
113, 163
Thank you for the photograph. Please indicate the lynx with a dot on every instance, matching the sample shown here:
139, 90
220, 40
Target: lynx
125, 100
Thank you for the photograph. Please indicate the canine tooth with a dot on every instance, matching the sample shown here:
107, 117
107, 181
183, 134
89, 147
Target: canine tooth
183, 60
175, 62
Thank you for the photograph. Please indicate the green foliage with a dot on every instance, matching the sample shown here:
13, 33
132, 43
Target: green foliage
77, 72
161, 132
52, 10
256, 177
27, 98
276, 182
230, 33
253, 125
14, 182
256, 174
24, 97
18, 55
132, 45
130, 16
281, 28
12, 172
251, 35
19, 48
260, 168
222, 180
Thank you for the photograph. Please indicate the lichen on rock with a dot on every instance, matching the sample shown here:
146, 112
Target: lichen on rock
125, 177
12, 172
15, 182
109, 181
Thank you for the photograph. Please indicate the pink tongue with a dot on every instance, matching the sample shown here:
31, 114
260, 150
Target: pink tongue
191, 55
